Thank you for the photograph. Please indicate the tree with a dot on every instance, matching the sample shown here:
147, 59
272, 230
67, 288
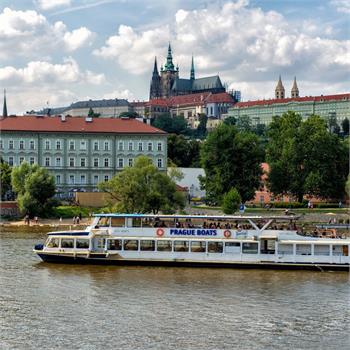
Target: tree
202, 126
305, 158
143, 189
231, 120
92, 114
35, 189
231, 159
131, 115
243, 123
231, 201
5, 178
345, 126
176, 125
184, 153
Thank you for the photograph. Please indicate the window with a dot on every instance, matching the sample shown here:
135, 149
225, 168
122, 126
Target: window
11, 144
82, 243
10, 161
150, 146
95, 179
198, 247
121, 146
67, 243
58, 161
164, 246
130, 162
83, 145
106, 178
53, 243
215, 247
131, 146
58, 144
83, 162
71, 162
131, 244
96, 146
83, 179
1, 144
95, 162
58, 179
181, 246
117, 222
140, 146
160, 163
120, 162
47, 144
71, 179
148, 245
106, 162
31, 160
71, 145
114, 244
31, 144
47, 161
233, 247
159, 146
106, 146
249, 248
21, 144
21, 160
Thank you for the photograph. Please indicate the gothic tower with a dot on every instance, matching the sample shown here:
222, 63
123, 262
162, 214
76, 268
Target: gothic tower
4, 110
295, 90
192, 77
279, 91
168, 75
155, 90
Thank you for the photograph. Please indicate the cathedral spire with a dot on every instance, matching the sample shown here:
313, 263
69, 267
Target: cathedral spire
192, 77
155, 69
4, 111
169, 65
295, 90
279, 91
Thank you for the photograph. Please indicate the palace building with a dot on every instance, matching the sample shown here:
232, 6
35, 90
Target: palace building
168, 83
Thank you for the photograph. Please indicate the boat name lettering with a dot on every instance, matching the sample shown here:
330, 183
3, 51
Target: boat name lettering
192, 232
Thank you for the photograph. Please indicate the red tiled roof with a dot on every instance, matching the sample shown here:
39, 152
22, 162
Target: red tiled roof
77, 124
295, 99
190, 99
222, 97
158, 102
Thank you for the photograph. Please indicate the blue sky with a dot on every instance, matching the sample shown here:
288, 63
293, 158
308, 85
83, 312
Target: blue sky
55, 52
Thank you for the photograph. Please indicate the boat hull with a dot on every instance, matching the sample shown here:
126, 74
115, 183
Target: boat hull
102, 259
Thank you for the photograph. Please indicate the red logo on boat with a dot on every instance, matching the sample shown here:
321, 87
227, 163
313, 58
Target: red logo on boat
160, 232
227, 234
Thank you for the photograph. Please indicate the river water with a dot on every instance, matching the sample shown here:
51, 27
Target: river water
52, 306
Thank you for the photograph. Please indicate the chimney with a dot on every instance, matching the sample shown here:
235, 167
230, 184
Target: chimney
88, 119
63, 118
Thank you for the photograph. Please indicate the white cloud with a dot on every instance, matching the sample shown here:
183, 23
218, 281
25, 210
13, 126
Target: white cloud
242, 43
342, 6
29, 34
122, 93
50, 4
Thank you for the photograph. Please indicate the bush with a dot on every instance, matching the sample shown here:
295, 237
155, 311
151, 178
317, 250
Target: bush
67, 212
231, 201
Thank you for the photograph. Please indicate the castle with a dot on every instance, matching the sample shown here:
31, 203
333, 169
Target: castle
168, 83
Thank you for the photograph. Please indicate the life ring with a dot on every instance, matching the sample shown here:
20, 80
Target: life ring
160, 232
227, 233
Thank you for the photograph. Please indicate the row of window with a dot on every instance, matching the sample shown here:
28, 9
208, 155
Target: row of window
58, 145
82, 179
83, 162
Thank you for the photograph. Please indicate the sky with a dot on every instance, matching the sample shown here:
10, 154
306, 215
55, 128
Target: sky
56, 52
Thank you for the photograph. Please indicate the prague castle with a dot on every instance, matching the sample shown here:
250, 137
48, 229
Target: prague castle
168, 83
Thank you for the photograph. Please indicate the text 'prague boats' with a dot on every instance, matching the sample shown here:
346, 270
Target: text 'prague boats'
197, 240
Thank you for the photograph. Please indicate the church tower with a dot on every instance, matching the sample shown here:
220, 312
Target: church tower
155, 82
4, 110
295, 90
192, 77
279, 91
168, 75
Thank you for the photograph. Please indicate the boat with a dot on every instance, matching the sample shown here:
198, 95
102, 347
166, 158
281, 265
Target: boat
197, 240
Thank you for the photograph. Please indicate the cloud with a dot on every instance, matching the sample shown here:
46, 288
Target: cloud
29, 34
50, 4
342, 6
240, 42
121, 93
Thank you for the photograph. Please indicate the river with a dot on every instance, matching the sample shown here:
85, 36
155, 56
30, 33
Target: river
52, 306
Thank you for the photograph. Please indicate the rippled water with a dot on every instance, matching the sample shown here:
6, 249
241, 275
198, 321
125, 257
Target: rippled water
52, 306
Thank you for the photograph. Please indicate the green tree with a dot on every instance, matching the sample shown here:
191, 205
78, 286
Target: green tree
231, 120
202, 126
305, 158
345, 126
143, 189
5, 178
131, 115
244, 123
231, 159
35, 189
183, 152
176, 125
92, 114
231, 201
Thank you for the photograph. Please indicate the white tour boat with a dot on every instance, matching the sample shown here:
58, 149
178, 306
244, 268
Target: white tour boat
197, 240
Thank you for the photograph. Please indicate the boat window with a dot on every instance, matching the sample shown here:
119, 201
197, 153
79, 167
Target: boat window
285, 249
67, 243
131, 244
82, 243
303, 249
53, 243
233, 247
147, 222
340, 250
103, 221
136, 222
164, 246
215, 247
117, 222
321, 249
250, 248
181, 246
148, 245
198, 246
114, 244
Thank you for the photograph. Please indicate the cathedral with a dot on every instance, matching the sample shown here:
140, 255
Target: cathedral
168, 83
